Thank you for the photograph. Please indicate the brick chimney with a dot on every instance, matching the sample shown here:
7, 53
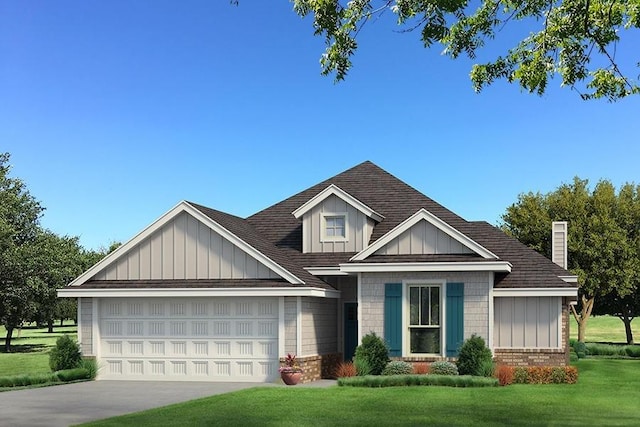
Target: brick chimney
559, 243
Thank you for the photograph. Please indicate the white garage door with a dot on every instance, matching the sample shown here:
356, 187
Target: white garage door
188, 339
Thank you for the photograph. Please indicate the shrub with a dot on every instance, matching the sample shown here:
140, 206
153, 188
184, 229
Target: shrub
397, 367
632, 351
65, 355
374, 350
487, 369
362, 366
539, 374
73, 374
581, 349
345, 369
504, 374
520, 375
417, 380
443, 367
473, 353
420, 368
571, 374
91, 365
558, 375
596, 349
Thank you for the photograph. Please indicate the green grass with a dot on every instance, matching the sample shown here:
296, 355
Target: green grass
606, 394
607, 329
30, 351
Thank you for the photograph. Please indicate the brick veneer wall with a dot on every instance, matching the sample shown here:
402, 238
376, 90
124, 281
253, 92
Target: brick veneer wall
318, 367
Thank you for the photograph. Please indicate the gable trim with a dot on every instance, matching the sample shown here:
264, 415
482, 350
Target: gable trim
535, 292
382, 267
198, 292
334, 190
164, 219
425, 215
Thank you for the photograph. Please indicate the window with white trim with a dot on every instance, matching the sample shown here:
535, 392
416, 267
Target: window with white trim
424, 319
335, 227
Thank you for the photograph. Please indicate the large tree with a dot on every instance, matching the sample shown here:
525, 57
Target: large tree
602, 242
575, 39
19, 216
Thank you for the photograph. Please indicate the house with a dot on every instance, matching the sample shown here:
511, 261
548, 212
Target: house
204, 295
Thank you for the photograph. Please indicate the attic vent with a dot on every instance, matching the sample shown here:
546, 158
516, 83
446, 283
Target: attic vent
559, 243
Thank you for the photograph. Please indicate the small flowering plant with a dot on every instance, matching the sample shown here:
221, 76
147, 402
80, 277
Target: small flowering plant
290, 364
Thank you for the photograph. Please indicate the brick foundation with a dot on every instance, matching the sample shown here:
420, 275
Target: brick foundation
318, 367
530, 357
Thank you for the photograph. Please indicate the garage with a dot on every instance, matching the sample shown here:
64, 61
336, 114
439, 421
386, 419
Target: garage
188, 339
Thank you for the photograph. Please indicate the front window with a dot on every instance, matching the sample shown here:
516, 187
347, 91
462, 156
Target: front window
424, 319
335, 227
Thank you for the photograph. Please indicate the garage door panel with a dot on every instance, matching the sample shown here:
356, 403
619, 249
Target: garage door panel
205, 339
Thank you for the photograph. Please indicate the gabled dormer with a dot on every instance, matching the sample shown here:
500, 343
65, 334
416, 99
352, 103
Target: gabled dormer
335, 221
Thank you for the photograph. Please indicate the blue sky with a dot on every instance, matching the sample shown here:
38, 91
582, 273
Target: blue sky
115, 111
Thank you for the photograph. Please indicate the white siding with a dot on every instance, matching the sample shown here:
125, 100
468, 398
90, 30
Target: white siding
527, 322
423, 239
358, 228
476, 298
184, 248
319, 326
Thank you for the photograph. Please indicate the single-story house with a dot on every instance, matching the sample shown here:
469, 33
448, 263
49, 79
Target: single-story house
205, 295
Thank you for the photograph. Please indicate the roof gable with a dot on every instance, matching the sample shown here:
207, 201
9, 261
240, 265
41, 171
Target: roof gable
334, 190
412, 222
172, 246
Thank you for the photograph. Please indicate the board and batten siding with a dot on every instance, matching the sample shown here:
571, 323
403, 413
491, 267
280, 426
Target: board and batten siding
358, 228
85, 322
319, 326
185, 248
423, 239
527, 322
476, 298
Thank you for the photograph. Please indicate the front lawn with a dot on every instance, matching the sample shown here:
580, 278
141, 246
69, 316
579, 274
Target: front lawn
606, 394
606, 329
30, 351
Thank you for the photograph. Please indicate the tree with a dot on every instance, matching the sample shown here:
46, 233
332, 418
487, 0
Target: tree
576, 39
625, 308
602, 242
19, 222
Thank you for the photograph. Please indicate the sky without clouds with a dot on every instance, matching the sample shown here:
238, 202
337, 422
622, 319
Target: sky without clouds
115, 111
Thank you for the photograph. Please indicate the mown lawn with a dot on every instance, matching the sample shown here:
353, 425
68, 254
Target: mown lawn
606, 329
30, 351
607, 393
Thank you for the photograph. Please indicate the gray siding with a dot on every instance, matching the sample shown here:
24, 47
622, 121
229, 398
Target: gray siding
290, 325
527, 322
358, 228
85, 325
423, 239
319, 326
476, 298
184, 248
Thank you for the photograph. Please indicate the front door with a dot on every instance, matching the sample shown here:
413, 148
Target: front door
350, 329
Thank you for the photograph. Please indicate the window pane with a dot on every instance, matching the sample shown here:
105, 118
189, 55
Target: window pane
414, 306
339, 221
425, 340
435, 305
424, 315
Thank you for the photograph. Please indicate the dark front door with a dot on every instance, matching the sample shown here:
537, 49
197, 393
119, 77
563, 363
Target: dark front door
350, 329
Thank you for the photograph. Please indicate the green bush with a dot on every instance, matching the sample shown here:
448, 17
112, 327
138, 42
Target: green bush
73, 374
632, 351
374, 350
596, 349
520, 375
443, 367
417, 380
581, 349
65, 355
362, 366
487, 369
398, 367
558, 375
91, 365
473, 353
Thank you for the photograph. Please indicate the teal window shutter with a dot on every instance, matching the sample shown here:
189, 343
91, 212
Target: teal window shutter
455, 318
393, 318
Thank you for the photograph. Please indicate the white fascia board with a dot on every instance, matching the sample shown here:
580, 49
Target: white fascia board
325, 271
424, 214
495, 266
334, 190
535, 292
75, 292
569, 279
160, 222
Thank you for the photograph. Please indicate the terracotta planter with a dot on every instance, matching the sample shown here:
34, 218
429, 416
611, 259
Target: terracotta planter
291, 378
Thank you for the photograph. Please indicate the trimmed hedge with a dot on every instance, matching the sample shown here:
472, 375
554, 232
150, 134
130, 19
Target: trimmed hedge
418, 380
63, 376
537, 375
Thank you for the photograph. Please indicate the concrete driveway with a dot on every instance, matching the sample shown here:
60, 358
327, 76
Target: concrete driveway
68, 404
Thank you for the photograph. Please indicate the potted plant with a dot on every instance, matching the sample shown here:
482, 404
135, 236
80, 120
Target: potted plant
291, 373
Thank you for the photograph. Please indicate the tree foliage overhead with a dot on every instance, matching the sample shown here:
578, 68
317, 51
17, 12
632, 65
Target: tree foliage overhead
603, 237
575, 39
